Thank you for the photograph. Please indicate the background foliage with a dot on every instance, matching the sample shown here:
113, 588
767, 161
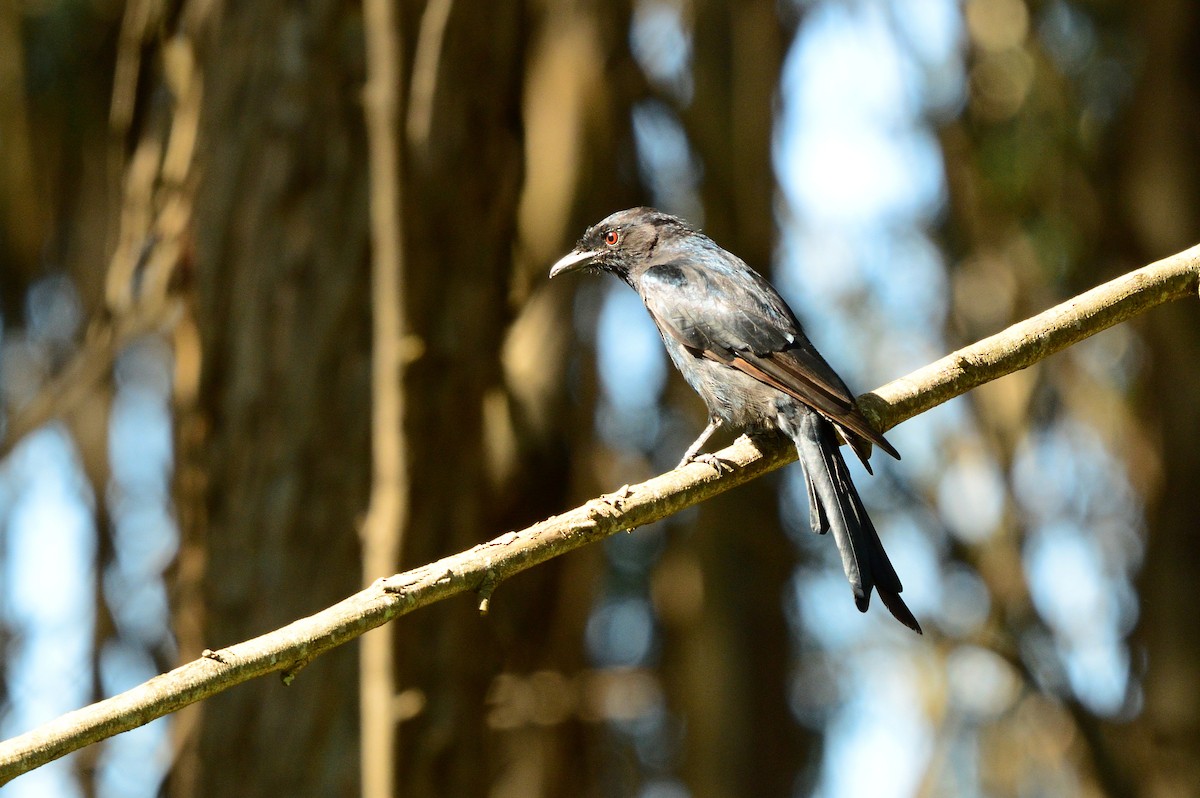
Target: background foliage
915, 174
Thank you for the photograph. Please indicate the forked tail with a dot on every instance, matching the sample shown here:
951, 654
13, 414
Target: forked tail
834, 505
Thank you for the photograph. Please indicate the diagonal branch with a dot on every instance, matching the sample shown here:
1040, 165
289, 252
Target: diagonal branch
288, 649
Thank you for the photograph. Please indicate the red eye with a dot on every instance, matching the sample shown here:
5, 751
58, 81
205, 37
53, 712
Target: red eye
612, 237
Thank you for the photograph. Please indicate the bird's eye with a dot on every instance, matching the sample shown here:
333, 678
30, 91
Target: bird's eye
612, 237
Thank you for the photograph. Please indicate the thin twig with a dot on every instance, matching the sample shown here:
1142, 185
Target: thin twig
426, 65
631, 506
383, 529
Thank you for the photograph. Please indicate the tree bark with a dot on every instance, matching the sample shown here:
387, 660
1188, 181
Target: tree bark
274, 455
1155, 158
732, 664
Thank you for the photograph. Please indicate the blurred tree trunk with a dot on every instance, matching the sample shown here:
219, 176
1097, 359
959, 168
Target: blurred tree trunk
273, 459
1156, 160
274, 468
461, 188
731, 668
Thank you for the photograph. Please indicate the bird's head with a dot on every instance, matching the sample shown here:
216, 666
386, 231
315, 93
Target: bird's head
622, 244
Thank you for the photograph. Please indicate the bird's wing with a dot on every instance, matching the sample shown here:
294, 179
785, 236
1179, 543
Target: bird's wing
727, 312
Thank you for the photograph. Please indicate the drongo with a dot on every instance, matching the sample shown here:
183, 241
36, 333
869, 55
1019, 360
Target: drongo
739, 346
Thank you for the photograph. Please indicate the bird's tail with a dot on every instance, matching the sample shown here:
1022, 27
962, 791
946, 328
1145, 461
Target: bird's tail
834, 505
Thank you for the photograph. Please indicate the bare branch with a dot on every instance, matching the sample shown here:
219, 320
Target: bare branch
387, 513
288, 649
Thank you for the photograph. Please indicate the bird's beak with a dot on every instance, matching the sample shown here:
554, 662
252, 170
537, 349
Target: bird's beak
575, 259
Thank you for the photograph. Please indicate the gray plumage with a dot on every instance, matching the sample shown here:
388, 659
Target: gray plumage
740, 347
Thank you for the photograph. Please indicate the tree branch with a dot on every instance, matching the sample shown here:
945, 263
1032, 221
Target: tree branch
288, 649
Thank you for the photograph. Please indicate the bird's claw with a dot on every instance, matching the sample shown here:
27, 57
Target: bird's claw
708, 459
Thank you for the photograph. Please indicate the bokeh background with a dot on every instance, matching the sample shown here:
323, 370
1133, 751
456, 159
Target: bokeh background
185, 287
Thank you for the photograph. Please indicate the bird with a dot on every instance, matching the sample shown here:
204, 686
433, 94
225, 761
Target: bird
740, 347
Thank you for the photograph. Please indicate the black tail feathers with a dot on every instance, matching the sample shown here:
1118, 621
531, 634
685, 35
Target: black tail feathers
834, 505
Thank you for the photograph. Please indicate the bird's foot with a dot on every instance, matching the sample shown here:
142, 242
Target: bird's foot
708, 459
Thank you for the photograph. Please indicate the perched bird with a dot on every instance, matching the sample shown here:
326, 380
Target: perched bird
739, 346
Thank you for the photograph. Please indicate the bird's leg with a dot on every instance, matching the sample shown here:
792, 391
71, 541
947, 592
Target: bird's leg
713, 425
